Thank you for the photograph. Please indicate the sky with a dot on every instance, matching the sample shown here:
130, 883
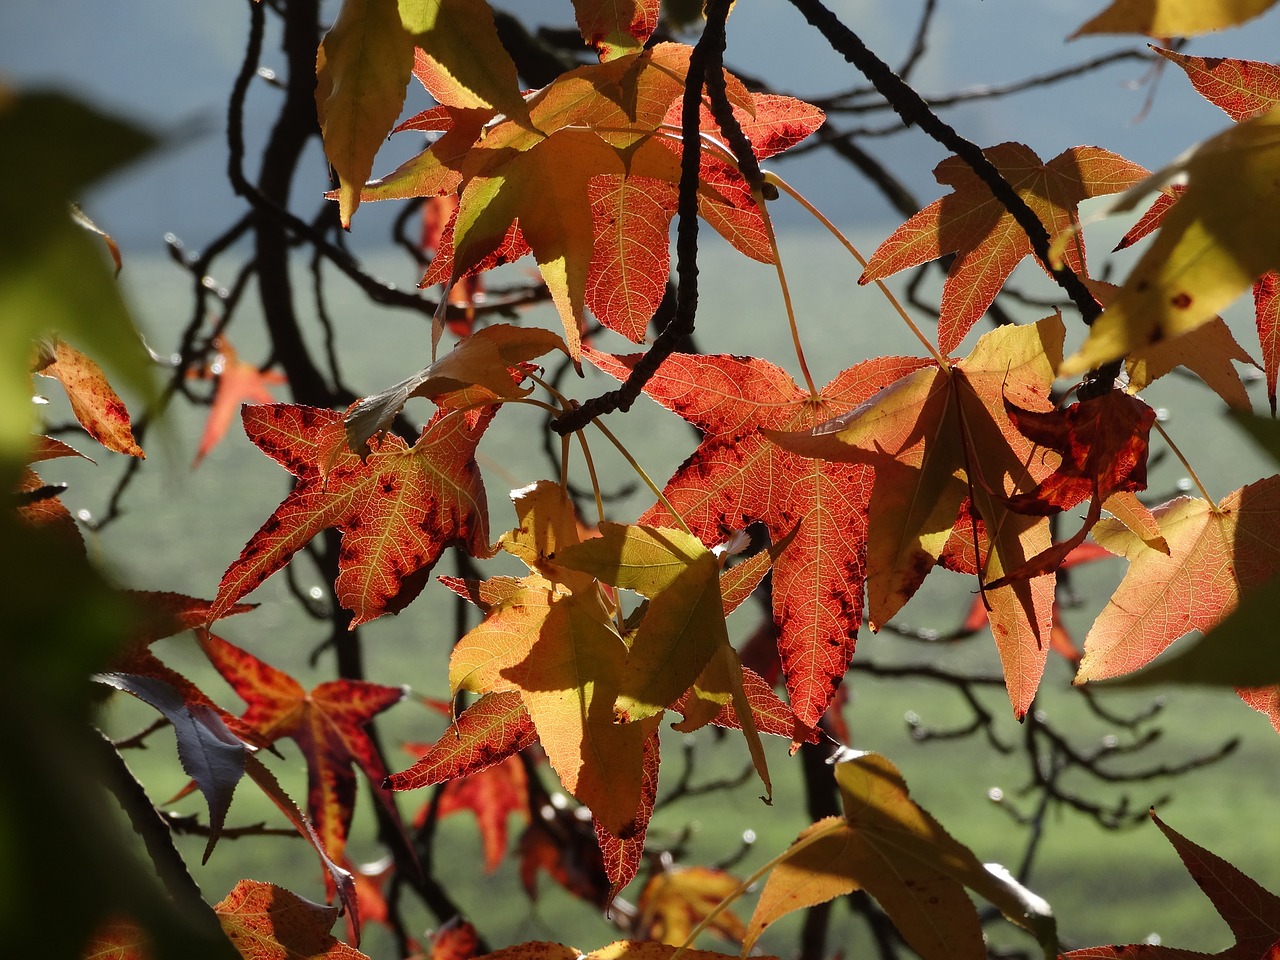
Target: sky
169, 64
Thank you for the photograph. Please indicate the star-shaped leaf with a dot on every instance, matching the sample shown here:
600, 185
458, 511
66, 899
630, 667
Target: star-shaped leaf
327, 724
1250, 910
1214, 551
397, 510
971, 223
737, 477
939, 437
238, 382
675, 900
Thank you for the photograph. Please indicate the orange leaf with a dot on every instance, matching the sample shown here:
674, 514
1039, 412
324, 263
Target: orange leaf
674, 901
397, 510
1194, 586
987, 241
487, 732
266, 922
935, 438
238, 382
736, 477
616, 28
1242, 88
327, 724
95, 404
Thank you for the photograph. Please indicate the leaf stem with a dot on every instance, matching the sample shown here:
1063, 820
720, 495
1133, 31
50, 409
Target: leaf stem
758, 197
832, 826
1194, 479
796, 195
621, 448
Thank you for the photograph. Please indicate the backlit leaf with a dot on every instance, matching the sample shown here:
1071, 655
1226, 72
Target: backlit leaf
266, 922
1173, 18
737, 477
238, 382
328, 725
614, 28
362, 69
987, 241
462, 61
1251, 911
1215, 550
93, 401
675, 900
397, 510
1213, 243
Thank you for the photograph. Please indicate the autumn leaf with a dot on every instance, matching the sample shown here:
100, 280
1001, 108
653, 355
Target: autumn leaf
971, 223
397, 510
460, 58
1251, 911
93, 401
1172, 18
616, 28
362, 68
935, 438
484, 359
737, 477
675, 900
1215, 552
618, 950
893, 849
238, 382
328, 725
1242, 88
491, 796
489, 731
455, 940
266, 922
1213, 243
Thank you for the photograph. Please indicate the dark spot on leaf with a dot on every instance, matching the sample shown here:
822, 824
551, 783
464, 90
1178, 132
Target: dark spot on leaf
1182, 301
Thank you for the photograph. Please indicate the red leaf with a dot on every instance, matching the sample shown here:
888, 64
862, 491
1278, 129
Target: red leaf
492, 795
397, 510
238, 382
1251, 911
490, 730
1242, 88
622, 855
327, 724
737, 477
561, 842
987, 241
266, 922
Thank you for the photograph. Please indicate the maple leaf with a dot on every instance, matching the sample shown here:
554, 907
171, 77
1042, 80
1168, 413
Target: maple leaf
675, 900
893, 849
460, 58
737, 477
1172, 18
983, 234
328, 725
1213, 243
556, 645
617, 28
484, 359
618, 950
266, 922
93, 401
237, 382
455, 940
935, 438
1215, 550
489, 731
397, 510
1243, 89
362, 68
1250, 910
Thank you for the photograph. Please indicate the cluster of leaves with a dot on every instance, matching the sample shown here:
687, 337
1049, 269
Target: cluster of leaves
863, 487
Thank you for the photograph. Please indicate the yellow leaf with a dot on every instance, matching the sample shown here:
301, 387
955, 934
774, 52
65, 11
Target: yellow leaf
1173, 18
1214, 242
362, 68
471, 66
